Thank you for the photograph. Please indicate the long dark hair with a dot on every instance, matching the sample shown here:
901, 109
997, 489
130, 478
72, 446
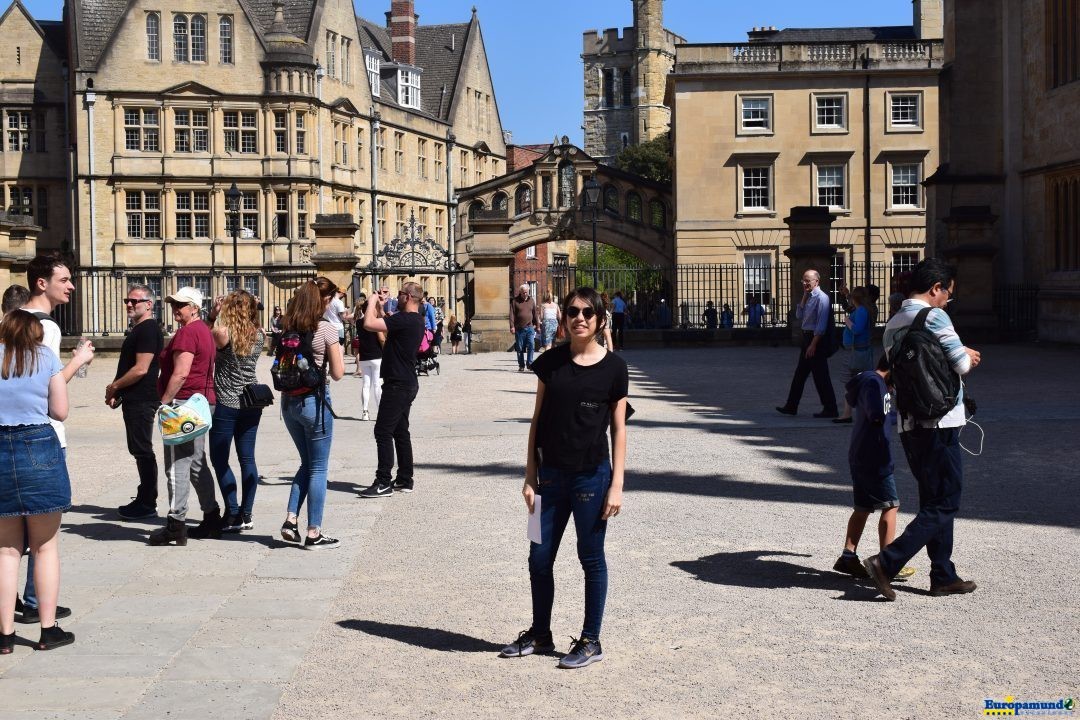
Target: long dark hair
594, 300
308, 305
20, 332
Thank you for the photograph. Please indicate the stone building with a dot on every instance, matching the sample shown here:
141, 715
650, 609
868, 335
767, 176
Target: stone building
309, 109
1005, 201
625, 77
845, 118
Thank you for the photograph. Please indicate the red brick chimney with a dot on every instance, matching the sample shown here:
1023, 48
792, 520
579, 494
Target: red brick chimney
402, 23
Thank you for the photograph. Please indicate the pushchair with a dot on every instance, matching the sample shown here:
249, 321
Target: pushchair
427, 356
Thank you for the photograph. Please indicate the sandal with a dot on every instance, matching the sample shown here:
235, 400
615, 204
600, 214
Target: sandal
290, 532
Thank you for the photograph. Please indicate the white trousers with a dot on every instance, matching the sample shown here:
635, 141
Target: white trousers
371, 383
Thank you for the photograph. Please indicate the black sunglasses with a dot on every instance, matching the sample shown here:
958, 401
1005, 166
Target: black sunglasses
129, 301
587, 312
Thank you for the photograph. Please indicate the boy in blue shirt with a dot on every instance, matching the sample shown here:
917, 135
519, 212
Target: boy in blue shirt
870, 458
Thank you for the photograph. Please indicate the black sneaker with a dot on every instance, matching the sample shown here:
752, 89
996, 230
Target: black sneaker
375, 490
136, 510
850, 565
786, 410
322, 542
289, 532
30, 616
246, 522
405, 486
527, 643
231, 523
582, 653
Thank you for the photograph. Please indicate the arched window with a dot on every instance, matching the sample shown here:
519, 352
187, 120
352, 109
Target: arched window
225, 36
523, 199
633, 206
198, 38
180, 38
153, 36
475, 209
501, 202
611, 199
567, 184
657, 214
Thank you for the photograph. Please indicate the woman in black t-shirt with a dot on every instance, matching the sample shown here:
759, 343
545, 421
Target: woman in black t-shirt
582, 390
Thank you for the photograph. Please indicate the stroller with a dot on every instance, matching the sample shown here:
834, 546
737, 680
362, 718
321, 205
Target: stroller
427, 356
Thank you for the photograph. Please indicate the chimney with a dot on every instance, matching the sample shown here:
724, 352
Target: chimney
402, 23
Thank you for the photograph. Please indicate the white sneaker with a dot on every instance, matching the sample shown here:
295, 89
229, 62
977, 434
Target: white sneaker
365, 417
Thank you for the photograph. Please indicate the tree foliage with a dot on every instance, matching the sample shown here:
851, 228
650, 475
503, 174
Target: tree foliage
651, 159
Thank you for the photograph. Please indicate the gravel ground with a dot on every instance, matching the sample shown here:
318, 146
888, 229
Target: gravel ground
722, 599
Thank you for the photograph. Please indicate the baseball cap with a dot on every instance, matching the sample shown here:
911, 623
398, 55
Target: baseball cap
187, 295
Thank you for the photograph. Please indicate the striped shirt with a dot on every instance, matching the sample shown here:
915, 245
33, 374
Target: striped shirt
939, 323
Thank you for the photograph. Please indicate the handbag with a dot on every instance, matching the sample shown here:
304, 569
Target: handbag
256, 395
186, 421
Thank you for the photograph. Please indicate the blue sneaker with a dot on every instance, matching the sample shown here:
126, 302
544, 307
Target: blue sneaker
582, 653
527, 643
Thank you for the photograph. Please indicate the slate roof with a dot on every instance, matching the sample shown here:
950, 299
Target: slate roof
843, 34
297, 15
55, 36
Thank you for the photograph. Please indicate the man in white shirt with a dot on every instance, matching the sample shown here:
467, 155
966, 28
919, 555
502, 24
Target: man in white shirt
49, 281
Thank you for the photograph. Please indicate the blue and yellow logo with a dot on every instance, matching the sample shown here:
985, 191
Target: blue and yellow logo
1011, 706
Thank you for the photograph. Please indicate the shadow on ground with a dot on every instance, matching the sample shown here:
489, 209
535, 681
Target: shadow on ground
423, 637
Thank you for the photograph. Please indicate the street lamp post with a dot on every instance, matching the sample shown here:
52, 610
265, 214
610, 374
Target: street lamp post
232, 198
592, 200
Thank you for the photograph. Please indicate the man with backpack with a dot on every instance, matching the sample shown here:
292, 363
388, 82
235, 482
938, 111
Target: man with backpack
404, 333
814, 313
927, 358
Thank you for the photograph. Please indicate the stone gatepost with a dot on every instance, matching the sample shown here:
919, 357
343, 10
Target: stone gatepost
969, 245
489, 253
810, 230
18, 245
335, 253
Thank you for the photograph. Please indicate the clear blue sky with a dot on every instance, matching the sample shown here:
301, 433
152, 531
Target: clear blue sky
535, 47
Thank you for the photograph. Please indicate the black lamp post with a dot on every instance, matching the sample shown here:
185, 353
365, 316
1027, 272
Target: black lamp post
232, 198
592, 200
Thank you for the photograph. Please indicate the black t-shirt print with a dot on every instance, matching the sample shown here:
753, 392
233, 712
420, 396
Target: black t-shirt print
144, 338
405, 330
572, 430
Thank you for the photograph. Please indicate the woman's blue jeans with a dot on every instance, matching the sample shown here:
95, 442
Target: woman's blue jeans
311, 432
580, 494
230, 426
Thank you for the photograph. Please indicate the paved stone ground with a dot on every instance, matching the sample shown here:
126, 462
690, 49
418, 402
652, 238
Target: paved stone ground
722, 600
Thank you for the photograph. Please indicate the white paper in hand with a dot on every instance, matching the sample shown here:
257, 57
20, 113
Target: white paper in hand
534, 521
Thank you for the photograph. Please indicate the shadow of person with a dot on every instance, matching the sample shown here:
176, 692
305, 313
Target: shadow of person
758, 569
423, 637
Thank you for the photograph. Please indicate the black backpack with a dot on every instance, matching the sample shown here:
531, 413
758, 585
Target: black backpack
294, 370
926, 385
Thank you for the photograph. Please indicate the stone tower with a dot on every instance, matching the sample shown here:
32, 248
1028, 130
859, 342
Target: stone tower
625, 77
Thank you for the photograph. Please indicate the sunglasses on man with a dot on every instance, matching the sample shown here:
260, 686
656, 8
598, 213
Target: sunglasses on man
129, 301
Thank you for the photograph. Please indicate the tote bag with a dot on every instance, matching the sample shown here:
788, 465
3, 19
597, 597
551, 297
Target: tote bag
185, 422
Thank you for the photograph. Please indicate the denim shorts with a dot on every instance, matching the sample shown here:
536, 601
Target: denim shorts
873, 492
33, 471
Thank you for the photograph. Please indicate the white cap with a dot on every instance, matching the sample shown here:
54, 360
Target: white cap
189, 295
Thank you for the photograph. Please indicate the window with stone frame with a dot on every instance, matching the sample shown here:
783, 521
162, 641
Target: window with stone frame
331, 54
241, 131
249, 214
830, 112
153, 36
21, 200
657, 214
756, 188
755, 113
523, 200
225, 39
198, 38
611, 199
904, 110
422, 221
24, 126
481, 168
301, 215
545, 191
360, 131
341, 143
1062, 42
439, 150
380, 220
380, 148
181, 39
904, 262
904, 190
831, 190
346, 65
192, 214
142, 129
143, 209
421, 158
281, 132
301, 133
400, 221
633, 206
440, 225
399, 152
567, 184
371, 62
607, 88
627, 89
464, 167
191, 131
281, 215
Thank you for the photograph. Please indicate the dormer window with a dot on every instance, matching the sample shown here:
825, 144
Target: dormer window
409, 88
372, 63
